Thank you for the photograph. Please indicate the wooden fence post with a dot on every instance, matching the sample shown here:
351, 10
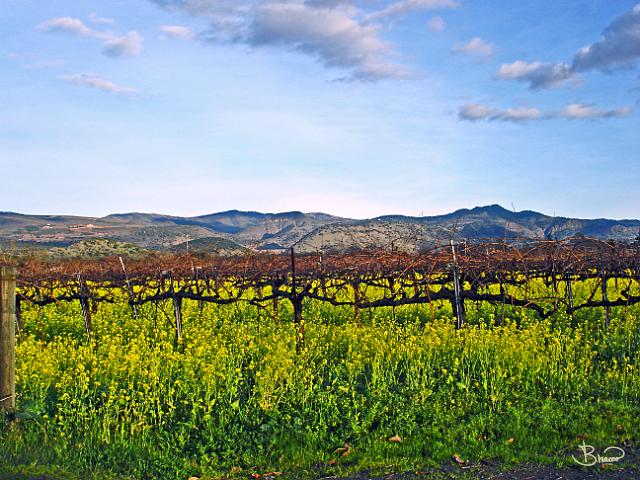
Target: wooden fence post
7, 339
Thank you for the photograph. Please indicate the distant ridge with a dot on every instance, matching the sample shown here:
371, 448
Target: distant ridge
236, 231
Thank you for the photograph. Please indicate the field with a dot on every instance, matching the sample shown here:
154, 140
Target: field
492, 356
233, 398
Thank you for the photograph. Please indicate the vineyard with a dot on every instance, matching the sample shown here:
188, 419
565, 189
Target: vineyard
167, 366
495, 273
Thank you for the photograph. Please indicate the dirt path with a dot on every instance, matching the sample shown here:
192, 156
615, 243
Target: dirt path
628, 469
526, 473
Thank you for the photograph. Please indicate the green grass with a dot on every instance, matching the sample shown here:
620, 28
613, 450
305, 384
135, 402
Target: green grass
233, 397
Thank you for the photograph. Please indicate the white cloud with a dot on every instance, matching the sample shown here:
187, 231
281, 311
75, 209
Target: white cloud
337, 33
113, 45
405, 7
575, 111
476, 47
578, 111
436, 24
228, 18
537, 75
333, 36
517, 114
66, 25
475, 111
176, 32
100, 83
95, 18
619, 46
129, 45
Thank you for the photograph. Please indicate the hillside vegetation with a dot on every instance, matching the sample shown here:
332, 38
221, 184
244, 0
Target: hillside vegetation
308, 232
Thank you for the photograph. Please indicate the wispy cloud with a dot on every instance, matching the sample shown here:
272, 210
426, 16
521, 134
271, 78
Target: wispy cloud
97, 19
98, 82
129, 45
65, 25
436, 24
113, 45
476, 47
474, 112
337, 33
405, 7
176, 32
581, 111
537, 75
576, 111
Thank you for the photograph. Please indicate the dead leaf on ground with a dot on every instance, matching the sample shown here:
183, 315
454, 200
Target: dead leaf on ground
395, 439
511, 440
458, 460
343, 449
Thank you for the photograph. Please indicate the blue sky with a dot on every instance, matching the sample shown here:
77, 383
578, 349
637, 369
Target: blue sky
352, 107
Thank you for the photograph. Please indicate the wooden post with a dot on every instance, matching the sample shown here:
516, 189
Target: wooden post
297, 306
200, 292
84, 303
276, 305
129, 288
19, 321
504, 302
570, 294
459, 309
7, 339
605, 299
356, 300
177, 309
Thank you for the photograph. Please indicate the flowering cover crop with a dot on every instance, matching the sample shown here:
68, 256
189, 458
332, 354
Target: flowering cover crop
232, 396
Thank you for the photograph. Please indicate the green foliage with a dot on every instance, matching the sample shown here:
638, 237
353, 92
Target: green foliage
96, 248
232, 394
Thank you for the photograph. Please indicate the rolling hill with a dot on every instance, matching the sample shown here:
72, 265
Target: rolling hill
236, 231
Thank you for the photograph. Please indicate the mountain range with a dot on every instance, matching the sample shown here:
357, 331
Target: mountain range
236, 231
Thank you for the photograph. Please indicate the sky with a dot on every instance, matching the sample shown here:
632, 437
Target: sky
357, 108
